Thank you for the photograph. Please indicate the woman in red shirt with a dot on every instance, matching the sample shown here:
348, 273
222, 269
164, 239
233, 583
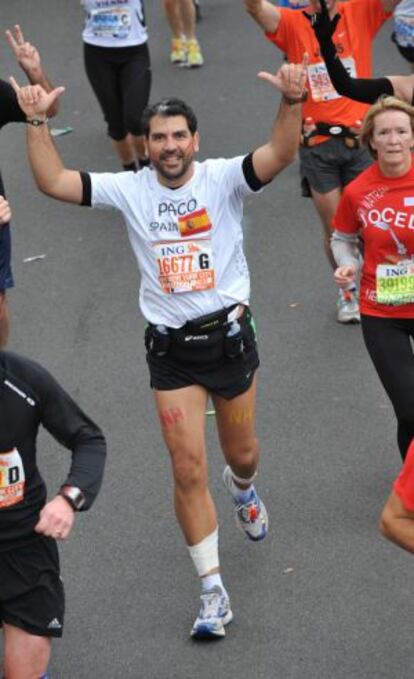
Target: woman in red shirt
377, 208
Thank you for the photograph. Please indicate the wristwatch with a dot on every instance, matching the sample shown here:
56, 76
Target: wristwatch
74, 496
36, 122
292, 102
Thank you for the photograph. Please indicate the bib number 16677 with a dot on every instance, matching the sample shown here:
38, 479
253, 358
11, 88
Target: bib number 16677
182, 263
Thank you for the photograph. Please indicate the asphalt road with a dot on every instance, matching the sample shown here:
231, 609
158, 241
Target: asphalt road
324, 597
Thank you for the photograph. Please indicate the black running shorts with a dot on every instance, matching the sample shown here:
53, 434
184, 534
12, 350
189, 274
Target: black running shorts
31, 590
330, 165
208, 365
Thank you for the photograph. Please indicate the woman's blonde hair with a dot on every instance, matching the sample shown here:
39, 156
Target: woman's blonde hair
383, 104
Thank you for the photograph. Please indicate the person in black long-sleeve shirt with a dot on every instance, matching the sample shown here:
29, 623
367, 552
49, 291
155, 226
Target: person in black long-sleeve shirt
31, 590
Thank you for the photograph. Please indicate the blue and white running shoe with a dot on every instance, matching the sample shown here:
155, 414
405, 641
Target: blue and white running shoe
215, 613
251, 516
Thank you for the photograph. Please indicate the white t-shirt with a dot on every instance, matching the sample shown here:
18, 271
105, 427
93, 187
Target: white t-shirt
114, 23
188, 242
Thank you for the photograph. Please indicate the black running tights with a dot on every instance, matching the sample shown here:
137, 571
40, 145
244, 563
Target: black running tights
388, 341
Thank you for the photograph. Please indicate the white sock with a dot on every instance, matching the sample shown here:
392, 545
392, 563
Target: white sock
242, 495
212, 580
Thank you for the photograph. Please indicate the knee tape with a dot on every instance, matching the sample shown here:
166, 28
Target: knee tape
205, 554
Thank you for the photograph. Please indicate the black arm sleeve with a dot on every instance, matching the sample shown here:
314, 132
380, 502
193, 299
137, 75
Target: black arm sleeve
10, 111
250, 175
87, 189
366, 90
69, 425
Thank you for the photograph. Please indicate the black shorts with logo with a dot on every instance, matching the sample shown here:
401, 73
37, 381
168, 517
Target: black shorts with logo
197, 356
31, 590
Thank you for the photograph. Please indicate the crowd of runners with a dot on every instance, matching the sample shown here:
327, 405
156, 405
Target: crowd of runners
200, 341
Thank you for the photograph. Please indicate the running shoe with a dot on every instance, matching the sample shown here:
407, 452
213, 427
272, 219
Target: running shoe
348, 307
178, 53
194, 56
215, 613
251, 516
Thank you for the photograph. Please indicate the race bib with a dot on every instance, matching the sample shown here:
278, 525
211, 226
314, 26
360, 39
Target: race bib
320, 82
395, 283
113, 22
12, 478
185, 266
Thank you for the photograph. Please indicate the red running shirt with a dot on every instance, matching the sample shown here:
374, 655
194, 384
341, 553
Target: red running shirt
381, 211
404, 484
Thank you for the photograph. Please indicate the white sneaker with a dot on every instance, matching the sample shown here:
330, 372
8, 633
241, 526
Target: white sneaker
215, 613
251, 516
348, 307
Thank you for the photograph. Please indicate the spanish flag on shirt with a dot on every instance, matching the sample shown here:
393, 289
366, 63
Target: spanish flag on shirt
194, 223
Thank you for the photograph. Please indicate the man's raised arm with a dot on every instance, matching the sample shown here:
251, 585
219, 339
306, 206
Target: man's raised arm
280, 151
50, 175
264, 13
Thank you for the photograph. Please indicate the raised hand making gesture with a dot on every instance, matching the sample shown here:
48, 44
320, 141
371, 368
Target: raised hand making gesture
28, 58
26, 54
321, 22
323, 25
290, 80
34, 101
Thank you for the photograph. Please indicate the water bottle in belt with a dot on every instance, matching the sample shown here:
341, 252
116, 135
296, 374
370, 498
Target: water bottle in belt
233, 341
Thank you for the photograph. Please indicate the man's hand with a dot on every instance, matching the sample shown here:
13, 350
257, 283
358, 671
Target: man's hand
56, 519
290, 79
5, 211
26, 54
344, 275
34, 100
323, 26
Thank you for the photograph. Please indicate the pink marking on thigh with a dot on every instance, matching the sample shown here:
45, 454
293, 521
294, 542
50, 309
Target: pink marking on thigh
171, 416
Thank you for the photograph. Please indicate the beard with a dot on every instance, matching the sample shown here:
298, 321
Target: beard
172, 174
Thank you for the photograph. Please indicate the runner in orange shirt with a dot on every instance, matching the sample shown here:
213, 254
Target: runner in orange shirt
330, 156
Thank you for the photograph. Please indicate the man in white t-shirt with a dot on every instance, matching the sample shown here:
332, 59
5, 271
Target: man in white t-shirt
184, 224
